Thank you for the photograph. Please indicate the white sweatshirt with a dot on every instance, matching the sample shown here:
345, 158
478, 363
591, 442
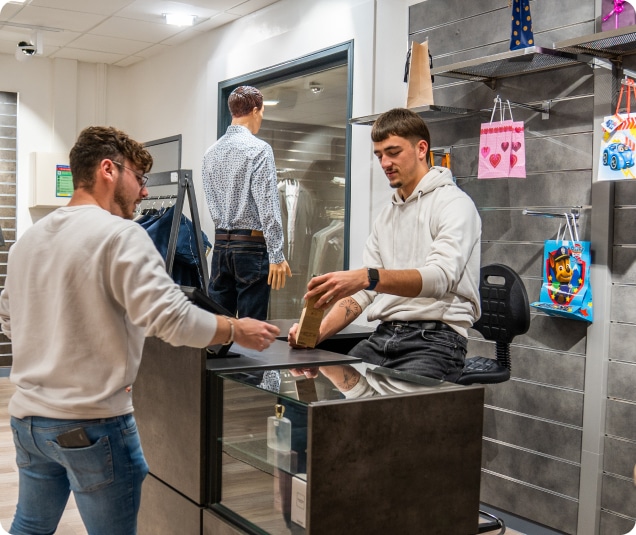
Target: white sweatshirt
436, 230
83, 290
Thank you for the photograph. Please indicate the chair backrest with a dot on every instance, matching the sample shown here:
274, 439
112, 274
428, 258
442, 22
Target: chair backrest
505, 309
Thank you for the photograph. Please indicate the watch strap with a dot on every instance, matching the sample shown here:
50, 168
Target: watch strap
374, 278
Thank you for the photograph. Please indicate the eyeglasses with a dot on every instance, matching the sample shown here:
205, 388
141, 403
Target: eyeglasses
142, 179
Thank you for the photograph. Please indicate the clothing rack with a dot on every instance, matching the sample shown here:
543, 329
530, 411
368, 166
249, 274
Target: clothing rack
184, 187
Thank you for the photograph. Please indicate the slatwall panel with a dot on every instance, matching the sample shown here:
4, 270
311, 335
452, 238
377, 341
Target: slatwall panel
533, 423
618, 501
8, 125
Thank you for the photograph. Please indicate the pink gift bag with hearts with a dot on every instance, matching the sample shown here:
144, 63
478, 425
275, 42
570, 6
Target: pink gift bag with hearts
495, 146
517, 150
502, 147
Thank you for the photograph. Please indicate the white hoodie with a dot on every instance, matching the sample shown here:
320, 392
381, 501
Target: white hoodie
436, 230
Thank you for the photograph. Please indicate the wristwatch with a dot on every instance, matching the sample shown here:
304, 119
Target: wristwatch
374, 278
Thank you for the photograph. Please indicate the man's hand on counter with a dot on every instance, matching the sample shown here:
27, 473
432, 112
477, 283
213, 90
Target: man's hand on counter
247, 332
255, 334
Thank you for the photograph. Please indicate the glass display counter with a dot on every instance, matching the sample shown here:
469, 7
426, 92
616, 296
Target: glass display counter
386, 456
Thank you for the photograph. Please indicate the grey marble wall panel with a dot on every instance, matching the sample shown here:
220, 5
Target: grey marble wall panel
537, 470
624, 224
619, 419
8, 165
429, 13
533, 289
7, 131
559, 189
619, 457
558, 512
547, 367
512, 225
458, 39
612, 524
549, 438
8, 143
621, 380
571, 151
619, 495
524, 258
625, 192
545, 155
624, 264
622, 342
558, 334
572, 81
542, 401
623, 308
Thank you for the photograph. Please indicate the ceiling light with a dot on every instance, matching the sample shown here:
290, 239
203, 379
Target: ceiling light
179, 19
270, 102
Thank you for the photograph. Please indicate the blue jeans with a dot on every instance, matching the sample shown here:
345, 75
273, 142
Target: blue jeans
438, 354
238, 278
105, 477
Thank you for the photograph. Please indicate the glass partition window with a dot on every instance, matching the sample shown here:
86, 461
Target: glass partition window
305, 123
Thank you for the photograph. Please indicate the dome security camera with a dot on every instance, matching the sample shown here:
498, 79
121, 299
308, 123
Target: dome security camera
26, 49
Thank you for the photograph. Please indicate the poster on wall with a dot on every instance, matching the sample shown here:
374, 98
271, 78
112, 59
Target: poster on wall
63, 181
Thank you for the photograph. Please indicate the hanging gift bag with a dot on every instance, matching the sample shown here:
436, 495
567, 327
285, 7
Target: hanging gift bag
417, 75
566, 289
517, 148
618, 143
521, 35
495, 146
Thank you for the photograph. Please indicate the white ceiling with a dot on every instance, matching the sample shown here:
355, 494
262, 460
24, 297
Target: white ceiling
116, 32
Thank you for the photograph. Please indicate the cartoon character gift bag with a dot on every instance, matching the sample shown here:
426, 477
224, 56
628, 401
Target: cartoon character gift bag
566, 289
495, 140
616, 160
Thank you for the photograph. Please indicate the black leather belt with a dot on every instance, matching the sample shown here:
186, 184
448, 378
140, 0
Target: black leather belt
254, 236
422, 325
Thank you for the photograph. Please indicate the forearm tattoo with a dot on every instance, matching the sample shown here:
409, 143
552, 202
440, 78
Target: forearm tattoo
350, 379
351, 307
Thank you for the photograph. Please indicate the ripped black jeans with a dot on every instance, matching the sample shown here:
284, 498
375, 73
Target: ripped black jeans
431, 349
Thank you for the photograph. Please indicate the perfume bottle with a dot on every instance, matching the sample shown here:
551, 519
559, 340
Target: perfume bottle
279, 430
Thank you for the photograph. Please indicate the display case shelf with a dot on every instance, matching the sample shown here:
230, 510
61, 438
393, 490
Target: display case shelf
527, 60
611, 44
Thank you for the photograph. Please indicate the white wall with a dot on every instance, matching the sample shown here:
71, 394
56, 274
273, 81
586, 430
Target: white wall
176, 92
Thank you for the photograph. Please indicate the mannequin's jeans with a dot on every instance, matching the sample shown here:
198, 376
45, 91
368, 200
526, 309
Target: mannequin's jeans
105, 477
238, 278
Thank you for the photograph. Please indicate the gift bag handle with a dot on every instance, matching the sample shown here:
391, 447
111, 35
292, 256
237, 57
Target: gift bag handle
572, 227
631, 86
494, 109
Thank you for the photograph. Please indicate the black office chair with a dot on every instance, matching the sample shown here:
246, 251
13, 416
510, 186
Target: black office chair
505, 313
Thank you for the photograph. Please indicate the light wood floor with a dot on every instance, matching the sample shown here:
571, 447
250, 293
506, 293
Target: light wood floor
71, 523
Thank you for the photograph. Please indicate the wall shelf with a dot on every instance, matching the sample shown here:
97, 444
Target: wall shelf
512, 63
611, 44
431, 113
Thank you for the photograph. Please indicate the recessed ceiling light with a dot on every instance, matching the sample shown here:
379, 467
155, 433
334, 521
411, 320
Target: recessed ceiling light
270, 102
179, 19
